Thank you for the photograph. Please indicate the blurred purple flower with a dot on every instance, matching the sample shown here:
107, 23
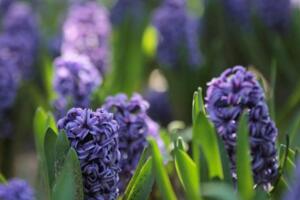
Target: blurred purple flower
178, 35
227, 97
4, 5
87, 31
131, 116
16, 189
294, 192
153, 131
94, 136
9, 79
20, 28
75, 79
160, 109
275, 14
125, 9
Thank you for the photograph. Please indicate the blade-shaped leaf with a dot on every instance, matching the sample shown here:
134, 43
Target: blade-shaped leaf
68, 185
204, 134
219, 191
161, 175
62, 147
141, 163
49, 145
188, 174
244, 172
143, 183
40, 126
52, 122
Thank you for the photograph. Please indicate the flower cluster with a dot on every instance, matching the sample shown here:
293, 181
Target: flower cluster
9, 80
94, 136
124, 9
16, 189
131, 116
294, 192
21, 36
268, 11
178, 34
241, 11
228, 96
86, 31
75, 79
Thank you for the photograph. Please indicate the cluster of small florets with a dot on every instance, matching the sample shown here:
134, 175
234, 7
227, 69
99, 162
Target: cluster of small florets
20, 37
228, 96
86, 31
242, 11
131, 116
94, 136
16, 189
178, 35
75, 79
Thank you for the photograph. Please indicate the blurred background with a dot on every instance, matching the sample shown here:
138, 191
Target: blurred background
162, 49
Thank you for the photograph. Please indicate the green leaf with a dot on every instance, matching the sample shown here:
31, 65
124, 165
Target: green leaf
220, 191
2, 179
52, 122
180, 143
225, 162
244, 172
188, 174
161, 175
49, 145
143, 183
141, 163
68, 185
62, 147
204, 134
40, 126
198, 104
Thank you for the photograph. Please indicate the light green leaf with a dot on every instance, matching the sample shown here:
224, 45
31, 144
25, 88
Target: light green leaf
220, 191
52, 122
244, 171
188, 174
161, 175
143, 183
62, 147
49, 145
141, 163
204, 134
2, 179
40, 126
68, 185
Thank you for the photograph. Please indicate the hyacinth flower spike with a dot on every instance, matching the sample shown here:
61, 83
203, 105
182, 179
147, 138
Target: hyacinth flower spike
94, 136
234, 91
16, 189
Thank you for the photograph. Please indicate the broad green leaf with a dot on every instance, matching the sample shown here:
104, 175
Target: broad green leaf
49, 145
188, 174
52, 122
225, 162
218, 190
68, 185
40, 126
198, 104
141, 163
243, 159
143, 183
204, 134
62, 147
161, 175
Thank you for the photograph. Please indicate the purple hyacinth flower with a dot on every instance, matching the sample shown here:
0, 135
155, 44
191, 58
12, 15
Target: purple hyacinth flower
275, 14
16, 189
160, 109
294, 192
227, 97
94, 136
238, 10
178, 35
20, 28
9, 79
75, 79
131, 114
125, 9
87, 31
